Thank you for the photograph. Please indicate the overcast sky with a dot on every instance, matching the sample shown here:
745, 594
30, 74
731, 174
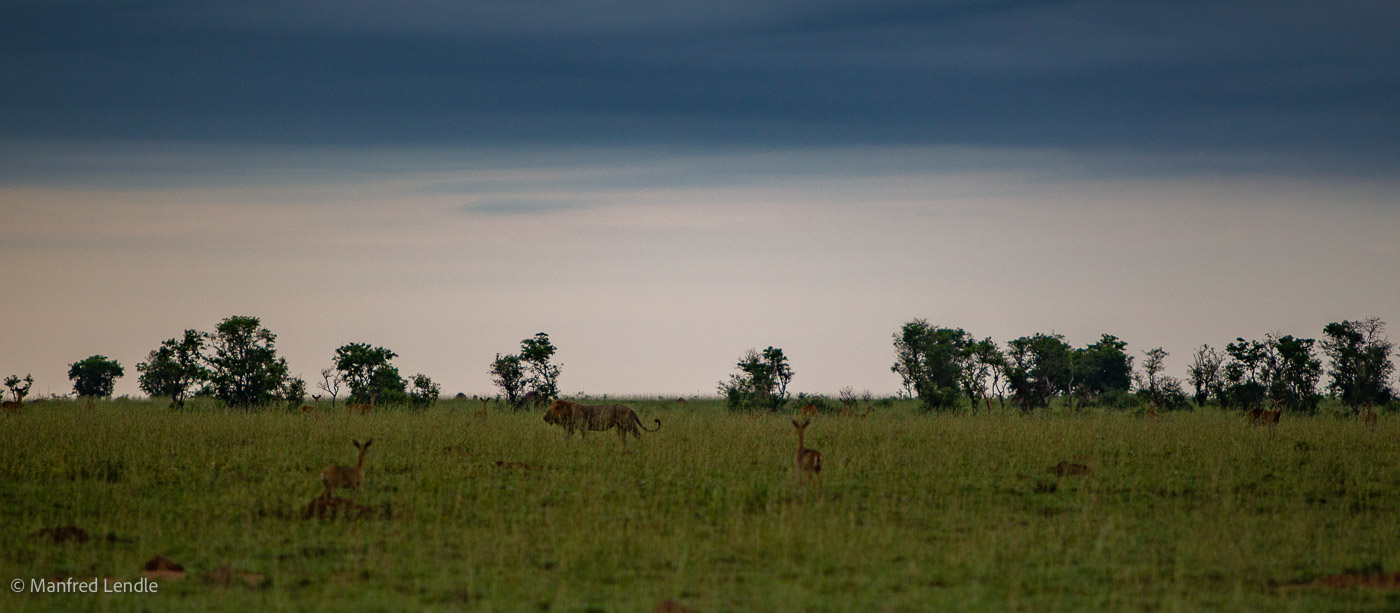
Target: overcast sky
661, 186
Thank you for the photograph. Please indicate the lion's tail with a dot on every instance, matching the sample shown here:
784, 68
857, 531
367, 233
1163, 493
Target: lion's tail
658, 426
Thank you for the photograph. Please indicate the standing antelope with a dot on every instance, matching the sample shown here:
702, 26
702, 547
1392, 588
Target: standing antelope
1368, 415
809, 461
346, 476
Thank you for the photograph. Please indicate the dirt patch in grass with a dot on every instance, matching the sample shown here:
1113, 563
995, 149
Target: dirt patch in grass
63, 534
162, 568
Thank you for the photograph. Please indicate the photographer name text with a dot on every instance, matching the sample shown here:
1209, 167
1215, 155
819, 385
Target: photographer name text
93, 586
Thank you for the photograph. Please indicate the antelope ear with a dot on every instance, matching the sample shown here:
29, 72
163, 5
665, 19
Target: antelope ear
357, 443
794, 423
367, 442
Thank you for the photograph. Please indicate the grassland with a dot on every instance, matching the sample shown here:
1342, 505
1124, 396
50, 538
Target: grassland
1194, 511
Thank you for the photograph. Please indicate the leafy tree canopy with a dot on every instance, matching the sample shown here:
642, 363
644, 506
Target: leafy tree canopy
508, 373
174, 369
1360, 365
761, 382
366, 370
245, 371
95, 376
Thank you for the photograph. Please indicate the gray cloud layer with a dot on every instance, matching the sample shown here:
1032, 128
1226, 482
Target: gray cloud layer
1290, 78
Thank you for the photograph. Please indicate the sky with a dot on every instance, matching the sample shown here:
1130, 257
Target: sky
662, 186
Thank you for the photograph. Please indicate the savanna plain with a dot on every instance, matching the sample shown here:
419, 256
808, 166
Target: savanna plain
913, 512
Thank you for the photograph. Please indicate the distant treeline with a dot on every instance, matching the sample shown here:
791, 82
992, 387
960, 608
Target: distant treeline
944, 368
949, 368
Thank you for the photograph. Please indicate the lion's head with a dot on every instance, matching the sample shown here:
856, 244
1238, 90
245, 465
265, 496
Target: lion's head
559, 411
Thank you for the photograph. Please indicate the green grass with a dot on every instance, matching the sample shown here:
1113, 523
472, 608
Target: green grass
1194, 511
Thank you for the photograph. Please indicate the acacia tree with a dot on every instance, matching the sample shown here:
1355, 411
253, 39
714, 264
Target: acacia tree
293, 391
95, 377
542, 376
369, 375
1359, 355
981, 361
1038, 368
423, 392
174, 369
18, 387
1206, 374
1281, 369
1103, 369
245, 371
330, 382
508, 373
761, 382
1246, 377
931, 360
1162, 391
777, 367
1296, 372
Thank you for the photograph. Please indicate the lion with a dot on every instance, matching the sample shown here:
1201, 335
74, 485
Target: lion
573, 416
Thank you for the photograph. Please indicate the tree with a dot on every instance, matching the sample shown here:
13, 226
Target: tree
293, 391
508, 373
982, 360
1038, 368
1206, 374
422, 392
781, 372
95, 376
1296, 372
244, 370
369, 375
761, 382
330, 383
388, 386
1103, 368
1280, 369
543, 377
1246, 378
1162, 391
174, 369
1360, 364
931, 360
18, 387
